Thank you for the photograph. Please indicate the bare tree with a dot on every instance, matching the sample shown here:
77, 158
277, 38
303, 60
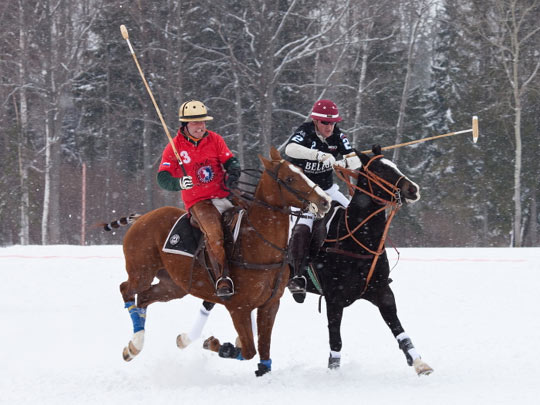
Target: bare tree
515, 28
416, 14
269, 47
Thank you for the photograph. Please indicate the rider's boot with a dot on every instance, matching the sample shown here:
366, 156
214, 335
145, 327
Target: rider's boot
298, 251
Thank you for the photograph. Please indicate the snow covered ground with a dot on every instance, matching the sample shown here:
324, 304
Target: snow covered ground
473, 314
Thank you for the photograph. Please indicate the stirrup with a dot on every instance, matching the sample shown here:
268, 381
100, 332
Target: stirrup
225, 291
297, 284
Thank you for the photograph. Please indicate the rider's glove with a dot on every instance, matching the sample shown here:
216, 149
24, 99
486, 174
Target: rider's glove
352, 161
232, 181
186, 182
327, 159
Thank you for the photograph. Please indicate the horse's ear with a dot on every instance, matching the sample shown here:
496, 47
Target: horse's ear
376, 150
266, 163
274, 154
363, 157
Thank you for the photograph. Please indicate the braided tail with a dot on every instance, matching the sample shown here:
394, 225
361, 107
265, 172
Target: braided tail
120, 222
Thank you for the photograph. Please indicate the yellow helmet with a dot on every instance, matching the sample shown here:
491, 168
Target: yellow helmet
193, 111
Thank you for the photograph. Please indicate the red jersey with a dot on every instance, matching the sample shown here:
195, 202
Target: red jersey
203, 162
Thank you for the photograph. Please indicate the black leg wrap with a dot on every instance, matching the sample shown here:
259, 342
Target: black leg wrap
262, 370
228, 351
406, 345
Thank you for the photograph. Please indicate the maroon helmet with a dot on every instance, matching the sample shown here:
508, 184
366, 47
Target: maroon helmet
325, 110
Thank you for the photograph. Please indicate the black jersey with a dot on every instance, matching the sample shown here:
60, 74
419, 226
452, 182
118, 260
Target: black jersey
336, 144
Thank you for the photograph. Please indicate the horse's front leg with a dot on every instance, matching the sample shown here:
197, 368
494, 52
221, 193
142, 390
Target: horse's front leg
386, 303
242, 323
334, 313
266, 316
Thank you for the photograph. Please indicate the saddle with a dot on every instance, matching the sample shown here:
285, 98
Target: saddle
185, 237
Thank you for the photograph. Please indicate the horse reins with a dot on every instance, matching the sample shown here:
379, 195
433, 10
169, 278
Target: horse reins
394, 203
275, 176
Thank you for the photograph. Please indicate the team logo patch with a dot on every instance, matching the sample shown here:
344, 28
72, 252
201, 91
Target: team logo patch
205, 174
174, 239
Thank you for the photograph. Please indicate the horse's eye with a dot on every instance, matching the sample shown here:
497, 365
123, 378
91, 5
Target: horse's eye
289, 179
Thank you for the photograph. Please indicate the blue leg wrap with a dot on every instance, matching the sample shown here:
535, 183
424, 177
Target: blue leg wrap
138, 316
265, 366
267, 363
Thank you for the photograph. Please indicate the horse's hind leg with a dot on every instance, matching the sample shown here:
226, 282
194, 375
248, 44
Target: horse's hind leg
386, 303
136, 283
334, 313
165, 290
138, 318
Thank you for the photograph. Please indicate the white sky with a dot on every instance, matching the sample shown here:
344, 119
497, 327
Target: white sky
473, 314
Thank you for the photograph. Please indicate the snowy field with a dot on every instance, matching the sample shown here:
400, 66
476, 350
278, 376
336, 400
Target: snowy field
473, 314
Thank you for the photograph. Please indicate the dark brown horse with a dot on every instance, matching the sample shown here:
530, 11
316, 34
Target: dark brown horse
258, 266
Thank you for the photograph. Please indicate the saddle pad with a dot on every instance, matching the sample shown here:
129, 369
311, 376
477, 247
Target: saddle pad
183, 239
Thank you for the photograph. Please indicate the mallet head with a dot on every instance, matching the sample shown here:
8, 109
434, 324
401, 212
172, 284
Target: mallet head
475, 129
124, 31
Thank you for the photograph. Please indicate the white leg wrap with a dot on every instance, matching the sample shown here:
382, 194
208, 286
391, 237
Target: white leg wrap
254, 323
402, 336
335, 355
137, 341
198, 326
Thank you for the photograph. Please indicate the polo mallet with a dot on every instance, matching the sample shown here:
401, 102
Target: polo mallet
125, 34
474, 131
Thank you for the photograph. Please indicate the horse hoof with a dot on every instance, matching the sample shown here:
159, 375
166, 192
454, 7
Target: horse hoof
183, 341
212, 344
126, 355
263, 369
334, 363
299, 297
130, 351
421, 367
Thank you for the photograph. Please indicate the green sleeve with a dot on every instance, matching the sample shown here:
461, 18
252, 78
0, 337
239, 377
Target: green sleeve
167, 181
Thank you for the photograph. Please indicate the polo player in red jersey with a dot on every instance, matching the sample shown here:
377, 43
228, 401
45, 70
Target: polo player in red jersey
211, 171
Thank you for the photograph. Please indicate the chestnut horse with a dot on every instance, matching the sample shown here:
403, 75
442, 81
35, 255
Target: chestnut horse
258, 267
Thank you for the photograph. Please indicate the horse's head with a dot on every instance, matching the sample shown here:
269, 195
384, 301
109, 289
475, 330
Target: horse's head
290, 186
385, 179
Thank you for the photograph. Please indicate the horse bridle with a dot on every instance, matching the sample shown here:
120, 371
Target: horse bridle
394, 203
301, 196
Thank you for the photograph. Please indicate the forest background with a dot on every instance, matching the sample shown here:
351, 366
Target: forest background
399, 70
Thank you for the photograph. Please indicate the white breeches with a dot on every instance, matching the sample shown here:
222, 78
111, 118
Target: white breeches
308, 218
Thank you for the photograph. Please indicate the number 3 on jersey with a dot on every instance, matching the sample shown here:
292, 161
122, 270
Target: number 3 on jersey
185, 157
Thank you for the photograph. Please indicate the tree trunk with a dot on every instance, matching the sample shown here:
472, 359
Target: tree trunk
24, 230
